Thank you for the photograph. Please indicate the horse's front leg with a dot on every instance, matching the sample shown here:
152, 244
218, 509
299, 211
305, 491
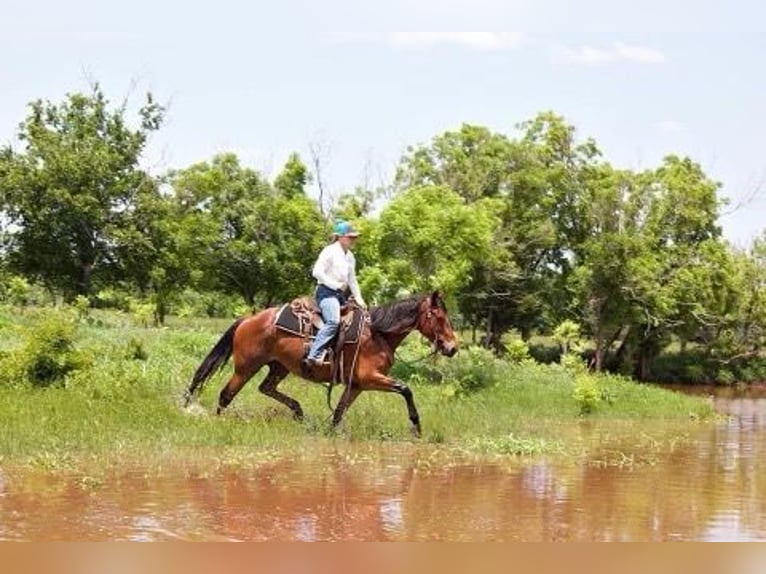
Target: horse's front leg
380, 382
412, 410
349, 396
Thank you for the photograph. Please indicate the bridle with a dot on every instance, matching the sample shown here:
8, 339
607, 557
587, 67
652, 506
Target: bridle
438, 342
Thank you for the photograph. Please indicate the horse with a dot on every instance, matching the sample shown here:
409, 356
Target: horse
256, 342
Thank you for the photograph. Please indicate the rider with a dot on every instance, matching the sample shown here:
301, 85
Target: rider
335, 272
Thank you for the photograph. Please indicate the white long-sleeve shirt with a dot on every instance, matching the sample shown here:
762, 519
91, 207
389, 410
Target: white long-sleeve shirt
336, 269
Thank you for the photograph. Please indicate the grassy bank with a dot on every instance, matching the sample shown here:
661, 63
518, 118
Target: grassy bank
101, 387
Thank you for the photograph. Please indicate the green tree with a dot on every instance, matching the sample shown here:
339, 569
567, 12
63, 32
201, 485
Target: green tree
66, 192
293, 179
648, 266
423, 247
537, 182
259, 241
157, 248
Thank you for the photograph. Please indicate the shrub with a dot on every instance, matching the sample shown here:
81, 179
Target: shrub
587, 393
111, 298
473, 369
17, 291
567, 335
82, 306
135, 350
517, 351
47, 354
726, 377
142, 311
574, 364
545, 351
412, 362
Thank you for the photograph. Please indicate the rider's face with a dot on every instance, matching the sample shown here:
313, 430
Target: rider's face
347, 241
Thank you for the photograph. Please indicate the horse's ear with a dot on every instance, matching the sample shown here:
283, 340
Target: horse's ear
436, 299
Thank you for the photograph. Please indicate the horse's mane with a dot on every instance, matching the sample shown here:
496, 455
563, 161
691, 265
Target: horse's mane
398, 316
395, 317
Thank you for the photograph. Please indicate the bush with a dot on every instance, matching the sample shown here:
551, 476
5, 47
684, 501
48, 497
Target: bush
135, 350
544, 351
47, 354
568, 335
412, 362
142, 312
17, 291
192, 303
574, 364
473, 369
726, 377
516, 351
587, 393
111, 298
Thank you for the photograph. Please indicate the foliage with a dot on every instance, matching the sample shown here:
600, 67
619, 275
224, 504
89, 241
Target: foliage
530, 233
567, 335
67, 192
516, 351
249, 238
587, 393
474, 369
47, 354
113, 410
422, 248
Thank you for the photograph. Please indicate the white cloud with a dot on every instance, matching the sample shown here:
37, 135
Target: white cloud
670, 126
619, 52
474, 40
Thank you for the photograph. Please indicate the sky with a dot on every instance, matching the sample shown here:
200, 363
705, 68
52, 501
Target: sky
264, 79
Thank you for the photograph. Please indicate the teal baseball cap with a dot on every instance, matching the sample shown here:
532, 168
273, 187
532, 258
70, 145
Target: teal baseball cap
344, 229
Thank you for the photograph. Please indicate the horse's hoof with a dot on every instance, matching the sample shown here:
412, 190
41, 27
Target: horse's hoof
416, 431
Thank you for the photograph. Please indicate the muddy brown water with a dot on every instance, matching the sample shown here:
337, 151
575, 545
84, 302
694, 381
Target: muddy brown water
713, 487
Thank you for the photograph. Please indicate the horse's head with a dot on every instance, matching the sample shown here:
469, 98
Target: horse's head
434, 324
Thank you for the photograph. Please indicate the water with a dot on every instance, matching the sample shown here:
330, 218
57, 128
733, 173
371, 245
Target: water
713, 487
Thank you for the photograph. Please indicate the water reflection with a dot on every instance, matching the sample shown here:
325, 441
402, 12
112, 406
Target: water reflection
712, 488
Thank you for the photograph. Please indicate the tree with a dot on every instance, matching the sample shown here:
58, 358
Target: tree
258, 241
293, 179
65, 194
537, 182
157, 248
431, 238
649, 265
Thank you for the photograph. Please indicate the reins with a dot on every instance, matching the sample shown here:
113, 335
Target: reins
433, 352
331, 384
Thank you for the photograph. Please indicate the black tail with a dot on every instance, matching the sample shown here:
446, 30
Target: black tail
215, 359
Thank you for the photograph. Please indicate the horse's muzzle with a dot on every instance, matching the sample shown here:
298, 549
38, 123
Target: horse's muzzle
449, 350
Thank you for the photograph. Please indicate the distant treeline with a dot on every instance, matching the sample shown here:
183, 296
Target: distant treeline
523, 233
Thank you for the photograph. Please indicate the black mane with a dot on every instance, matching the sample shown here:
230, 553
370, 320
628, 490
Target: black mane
396, 317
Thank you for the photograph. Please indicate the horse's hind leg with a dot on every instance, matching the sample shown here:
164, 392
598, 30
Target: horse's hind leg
235, 384
277, 372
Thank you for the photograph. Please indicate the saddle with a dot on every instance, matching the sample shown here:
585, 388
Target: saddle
303, 318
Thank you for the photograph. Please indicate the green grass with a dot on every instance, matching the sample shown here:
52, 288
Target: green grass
124, 404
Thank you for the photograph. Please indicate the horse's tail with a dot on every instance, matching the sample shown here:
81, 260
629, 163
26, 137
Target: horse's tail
215, 359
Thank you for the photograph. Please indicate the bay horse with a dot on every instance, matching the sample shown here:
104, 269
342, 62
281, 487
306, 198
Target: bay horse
255, 341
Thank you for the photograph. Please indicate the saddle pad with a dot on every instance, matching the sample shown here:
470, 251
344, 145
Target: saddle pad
289, 322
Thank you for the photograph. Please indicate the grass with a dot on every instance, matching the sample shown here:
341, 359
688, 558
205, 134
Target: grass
123, 403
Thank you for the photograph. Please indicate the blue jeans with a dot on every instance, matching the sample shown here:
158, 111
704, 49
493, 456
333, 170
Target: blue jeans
330, 307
